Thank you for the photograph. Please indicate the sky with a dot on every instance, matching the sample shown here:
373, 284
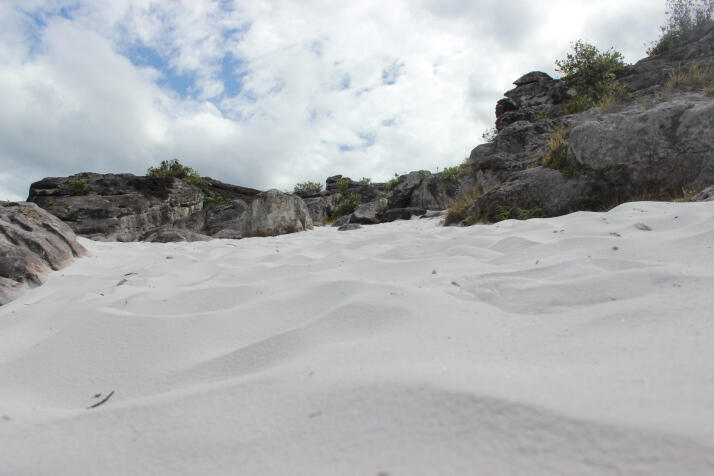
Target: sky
267, 94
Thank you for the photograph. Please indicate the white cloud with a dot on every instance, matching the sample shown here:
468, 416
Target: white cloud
361, 88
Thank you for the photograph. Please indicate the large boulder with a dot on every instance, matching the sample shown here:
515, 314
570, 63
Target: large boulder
116, 207
367, 212
401, 195
275, 213
653, 152
320, 208
434, 193
32, 243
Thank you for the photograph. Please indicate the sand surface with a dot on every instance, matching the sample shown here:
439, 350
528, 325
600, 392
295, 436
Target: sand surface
576, 345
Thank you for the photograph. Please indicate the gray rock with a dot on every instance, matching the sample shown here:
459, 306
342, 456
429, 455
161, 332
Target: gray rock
320, 208
400, 214
275, 213
169, 235
119, 207
532, 77
402, 192
343, 220
653, 71
367, 212
531, 193
217, 188
350, 226
32, 243
706, 195
434, 193
648, 152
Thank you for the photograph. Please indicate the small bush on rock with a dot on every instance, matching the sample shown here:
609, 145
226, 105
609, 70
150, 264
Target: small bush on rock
592, 74
392, 184
209, 202
79, 187
451, 174
307, 188
685, 20
174, 168
346, 205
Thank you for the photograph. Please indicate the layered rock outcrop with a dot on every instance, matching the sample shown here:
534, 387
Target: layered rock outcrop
116, 207
654, 144
32, 243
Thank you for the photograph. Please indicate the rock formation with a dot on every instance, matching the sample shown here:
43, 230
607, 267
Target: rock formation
542, 162
32, 243
116, 207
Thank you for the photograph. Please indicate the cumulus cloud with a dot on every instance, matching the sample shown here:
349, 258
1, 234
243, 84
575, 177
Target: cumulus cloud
266, 94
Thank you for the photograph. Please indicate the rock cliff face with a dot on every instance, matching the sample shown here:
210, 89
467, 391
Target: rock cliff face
32, 243
655, 144
118, 207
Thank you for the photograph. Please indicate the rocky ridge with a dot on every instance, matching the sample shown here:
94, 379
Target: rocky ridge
656, 144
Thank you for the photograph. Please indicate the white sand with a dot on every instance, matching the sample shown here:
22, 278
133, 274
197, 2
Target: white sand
535, 348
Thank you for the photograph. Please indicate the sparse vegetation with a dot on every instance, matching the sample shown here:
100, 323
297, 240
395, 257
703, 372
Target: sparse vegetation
490, 135
697, 77
557, 158
209, 201
346, 205
451, 174
174, 168
686, 19
307, 188
592, 75
392, 184
365, 181
457, 211
343, 184
79, 187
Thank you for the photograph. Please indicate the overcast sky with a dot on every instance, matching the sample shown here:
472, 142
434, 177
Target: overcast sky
269, 93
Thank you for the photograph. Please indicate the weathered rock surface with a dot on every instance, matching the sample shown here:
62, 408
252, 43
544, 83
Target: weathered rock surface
401, 196
117, 207
434, 193
400, 214
275, 213
653, 145
367, 212
706, 195
170, 235
217, 188
32, 243
320, 208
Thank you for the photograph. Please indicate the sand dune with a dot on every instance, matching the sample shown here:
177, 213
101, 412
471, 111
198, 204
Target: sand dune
572, 345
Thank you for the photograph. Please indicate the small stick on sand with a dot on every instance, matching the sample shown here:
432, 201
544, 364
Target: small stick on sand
104, 400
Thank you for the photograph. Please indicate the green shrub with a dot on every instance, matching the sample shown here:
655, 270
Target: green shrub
343, 185
451, 174
308, 188
592, 74
173, 168
215, 201
685, 20
346, 205
365, 181
79, 187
